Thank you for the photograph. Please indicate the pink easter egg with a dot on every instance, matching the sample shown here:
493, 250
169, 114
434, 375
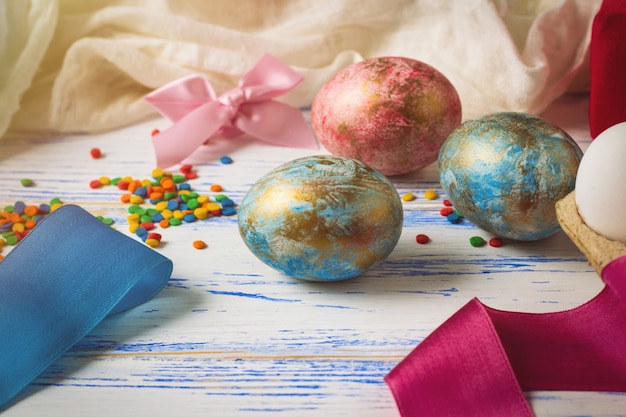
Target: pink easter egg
391, 113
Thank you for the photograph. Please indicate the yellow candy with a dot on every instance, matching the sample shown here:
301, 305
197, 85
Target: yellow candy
104, 180
212, 206
201, 213
136, 199
161, 206
153, 243
157, 173
133, 218
203, 199
408, 197
430, 195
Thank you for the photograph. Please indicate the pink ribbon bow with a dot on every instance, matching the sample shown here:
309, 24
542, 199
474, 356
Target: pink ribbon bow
198, 114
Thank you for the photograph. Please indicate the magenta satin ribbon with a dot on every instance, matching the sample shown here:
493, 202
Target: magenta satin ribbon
198, 114
479, 362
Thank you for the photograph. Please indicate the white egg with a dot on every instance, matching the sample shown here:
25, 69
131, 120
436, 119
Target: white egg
601, 183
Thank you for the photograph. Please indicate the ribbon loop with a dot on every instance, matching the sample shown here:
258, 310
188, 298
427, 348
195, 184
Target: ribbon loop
199, 115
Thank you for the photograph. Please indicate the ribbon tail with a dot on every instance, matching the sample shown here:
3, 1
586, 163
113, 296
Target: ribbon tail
185, 136
480, 361
276, 123
459, 370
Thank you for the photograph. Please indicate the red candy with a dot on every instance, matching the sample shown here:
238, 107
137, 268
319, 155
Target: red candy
155, 236
446, 211
123, 185
495, 242
95, 153
148, 225
422, 239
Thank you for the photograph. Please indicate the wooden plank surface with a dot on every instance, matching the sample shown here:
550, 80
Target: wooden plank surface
229, 336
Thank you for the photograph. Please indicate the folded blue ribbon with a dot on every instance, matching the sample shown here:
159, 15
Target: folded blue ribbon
61, 280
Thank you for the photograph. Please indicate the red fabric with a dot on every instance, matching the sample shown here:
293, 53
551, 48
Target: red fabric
479, 362
607, 105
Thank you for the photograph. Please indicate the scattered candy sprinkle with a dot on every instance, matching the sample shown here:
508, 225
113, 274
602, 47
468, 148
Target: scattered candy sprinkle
496, 242
408, 197
199, 244
422, 239
27, 182
446, 211
172, 199
18, 219
95, 153
447, 203
226, 160
477, 241
188, 172
454, 218
430, 195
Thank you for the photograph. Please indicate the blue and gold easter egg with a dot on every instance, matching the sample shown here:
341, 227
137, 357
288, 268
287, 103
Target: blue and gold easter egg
505, 171
321, 218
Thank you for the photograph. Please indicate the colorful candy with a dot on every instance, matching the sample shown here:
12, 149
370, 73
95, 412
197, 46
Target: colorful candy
18, 219
173, 200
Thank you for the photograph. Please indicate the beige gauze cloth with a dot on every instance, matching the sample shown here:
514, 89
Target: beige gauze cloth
71, 66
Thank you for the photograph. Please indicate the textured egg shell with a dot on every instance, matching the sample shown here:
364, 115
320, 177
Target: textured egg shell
505, 172
392, 113
321, 218
600, 188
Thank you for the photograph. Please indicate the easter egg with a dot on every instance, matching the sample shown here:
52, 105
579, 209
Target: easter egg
392, 113
600, 183
321, 218
505, 172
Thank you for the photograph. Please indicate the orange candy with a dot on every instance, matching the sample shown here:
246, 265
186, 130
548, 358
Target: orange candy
199, 244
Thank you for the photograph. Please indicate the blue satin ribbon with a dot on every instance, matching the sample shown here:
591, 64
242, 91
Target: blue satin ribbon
61, 280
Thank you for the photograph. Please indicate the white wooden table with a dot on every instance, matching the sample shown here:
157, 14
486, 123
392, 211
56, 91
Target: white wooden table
230, 336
